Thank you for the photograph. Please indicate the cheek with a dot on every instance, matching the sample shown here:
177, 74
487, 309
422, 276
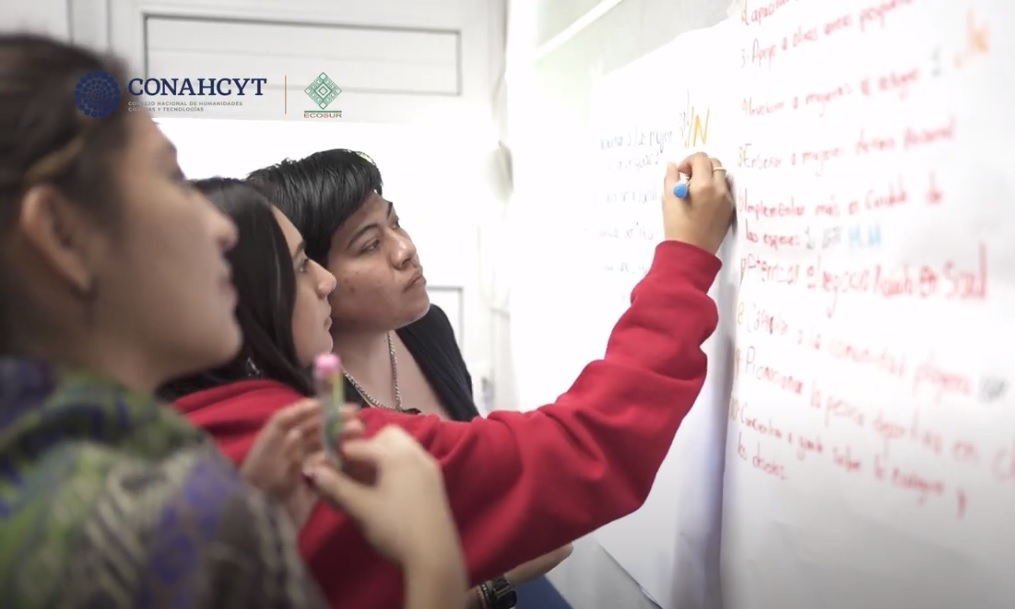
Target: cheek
305, 311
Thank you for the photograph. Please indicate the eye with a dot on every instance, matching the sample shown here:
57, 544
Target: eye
372, 246
396, 223
304, 265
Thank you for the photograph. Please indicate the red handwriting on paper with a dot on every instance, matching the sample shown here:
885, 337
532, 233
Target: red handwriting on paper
896, 82
756, 15
817, 159
836, 409
751, 158
769, 271
875, 14
844, 459
774, 241
767, 209
765, 464
804, 35
891, 195
932, 380
754, 108
934, 195
951, 280
763, 426
881, 359
916, 137
822, 99
911, 138
757, 320
924, 483
761, 54
808, 446
770, 374
893, 430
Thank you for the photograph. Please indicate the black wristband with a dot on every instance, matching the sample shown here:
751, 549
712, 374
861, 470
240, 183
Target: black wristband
498, 593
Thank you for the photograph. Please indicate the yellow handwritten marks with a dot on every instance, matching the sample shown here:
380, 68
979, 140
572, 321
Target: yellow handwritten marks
696, 133
977, 40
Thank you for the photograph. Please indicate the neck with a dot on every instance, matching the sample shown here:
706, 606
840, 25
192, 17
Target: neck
108, 360
365, 354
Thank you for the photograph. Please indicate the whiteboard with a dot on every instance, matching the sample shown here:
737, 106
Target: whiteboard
869, 459
641, 117
869, 305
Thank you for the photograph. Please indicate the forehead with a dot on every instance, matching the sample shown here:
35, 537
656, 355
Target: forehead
147, 138
372, 211
292, 236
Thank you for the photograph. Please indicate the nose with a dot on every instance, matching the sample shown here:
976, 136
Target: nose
326, 282
222, 228
405, 252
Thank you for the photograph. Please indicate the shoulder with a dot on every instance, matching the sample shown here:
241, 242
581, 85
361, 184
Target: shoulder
190, 533
244, 399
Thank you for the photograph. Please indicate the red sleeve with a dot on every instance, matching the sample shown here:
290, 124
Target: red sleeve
235, 423
522, 484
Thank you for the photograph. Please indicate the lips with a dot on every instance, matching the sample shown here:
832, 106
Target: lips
416, 278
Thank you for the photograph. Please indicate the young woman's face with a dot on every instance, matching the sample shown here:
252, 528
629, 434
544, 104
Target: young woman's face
162, 298
312, 311
382, 286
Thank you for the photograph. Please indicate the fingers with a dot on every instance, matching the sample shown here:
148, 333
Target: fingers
296, 414
671, 179
697, 165
706, 177
389, 444
339, 489
720, 180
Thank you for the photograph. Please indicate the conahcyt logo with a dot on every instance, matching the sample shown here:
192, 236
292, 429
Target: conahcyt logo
97, 95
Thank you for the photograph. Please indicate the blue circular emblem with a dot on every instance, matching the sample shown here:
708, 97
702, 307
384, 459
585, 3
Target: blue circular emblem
97, 94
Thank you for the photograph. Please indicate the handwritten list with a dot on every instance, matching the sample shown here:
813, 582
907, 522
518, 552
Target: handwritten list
644, 116
871, 443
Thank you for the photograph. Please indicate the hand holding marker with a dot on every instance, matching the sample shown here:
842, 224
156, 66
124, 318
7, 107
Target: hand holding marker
682, 189
331, 392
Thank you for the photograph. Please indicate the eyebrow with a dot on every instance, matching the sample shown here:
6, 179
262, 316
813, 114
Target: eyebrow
300, 248
364, 229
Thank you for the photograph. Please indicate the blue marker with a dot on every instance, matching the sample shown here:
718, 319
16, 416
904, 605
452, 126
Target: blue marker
680, 190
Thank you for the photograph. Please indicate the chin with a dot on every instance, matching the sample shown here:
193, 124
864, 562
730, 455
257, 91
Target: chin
416, 313
232, 342
218, 347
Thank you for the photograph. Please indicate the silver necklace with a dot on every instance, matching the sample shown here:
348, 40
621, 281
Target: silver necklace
394, 381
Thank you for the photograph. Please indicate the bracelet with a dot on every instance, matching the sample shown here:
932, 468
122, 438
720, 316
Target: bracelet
487, 599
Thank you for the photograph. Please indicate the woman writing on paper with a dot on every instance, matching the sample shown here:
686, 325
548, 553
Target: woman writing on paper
397, 348
520, 484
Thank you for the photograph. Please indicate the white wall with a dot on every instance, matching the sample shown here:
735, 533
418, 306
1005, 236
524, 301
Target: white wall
404, 61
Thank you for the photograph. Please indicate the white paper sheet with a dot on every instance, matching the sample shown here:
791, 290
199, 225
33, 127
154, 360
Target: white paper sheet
870, 449
661, 108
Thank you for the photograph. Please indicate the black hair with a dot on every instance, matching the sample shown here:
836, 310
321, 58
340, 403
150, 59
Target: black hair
265, 282
63, 120
319, 193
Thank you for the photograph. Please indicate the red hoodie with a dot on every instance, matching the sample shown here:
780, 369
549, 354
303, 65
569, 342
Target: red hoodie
521, 484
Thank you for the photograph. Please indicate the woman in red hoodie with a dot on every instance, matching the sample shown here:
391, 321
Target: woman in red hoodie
520, 484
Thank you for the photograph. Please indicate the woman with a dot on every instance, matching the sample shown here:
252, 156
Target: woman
398, 351
523, 484
113, 279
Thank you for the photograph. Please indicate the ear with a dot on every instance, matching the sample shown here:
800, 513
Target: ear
60, 234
